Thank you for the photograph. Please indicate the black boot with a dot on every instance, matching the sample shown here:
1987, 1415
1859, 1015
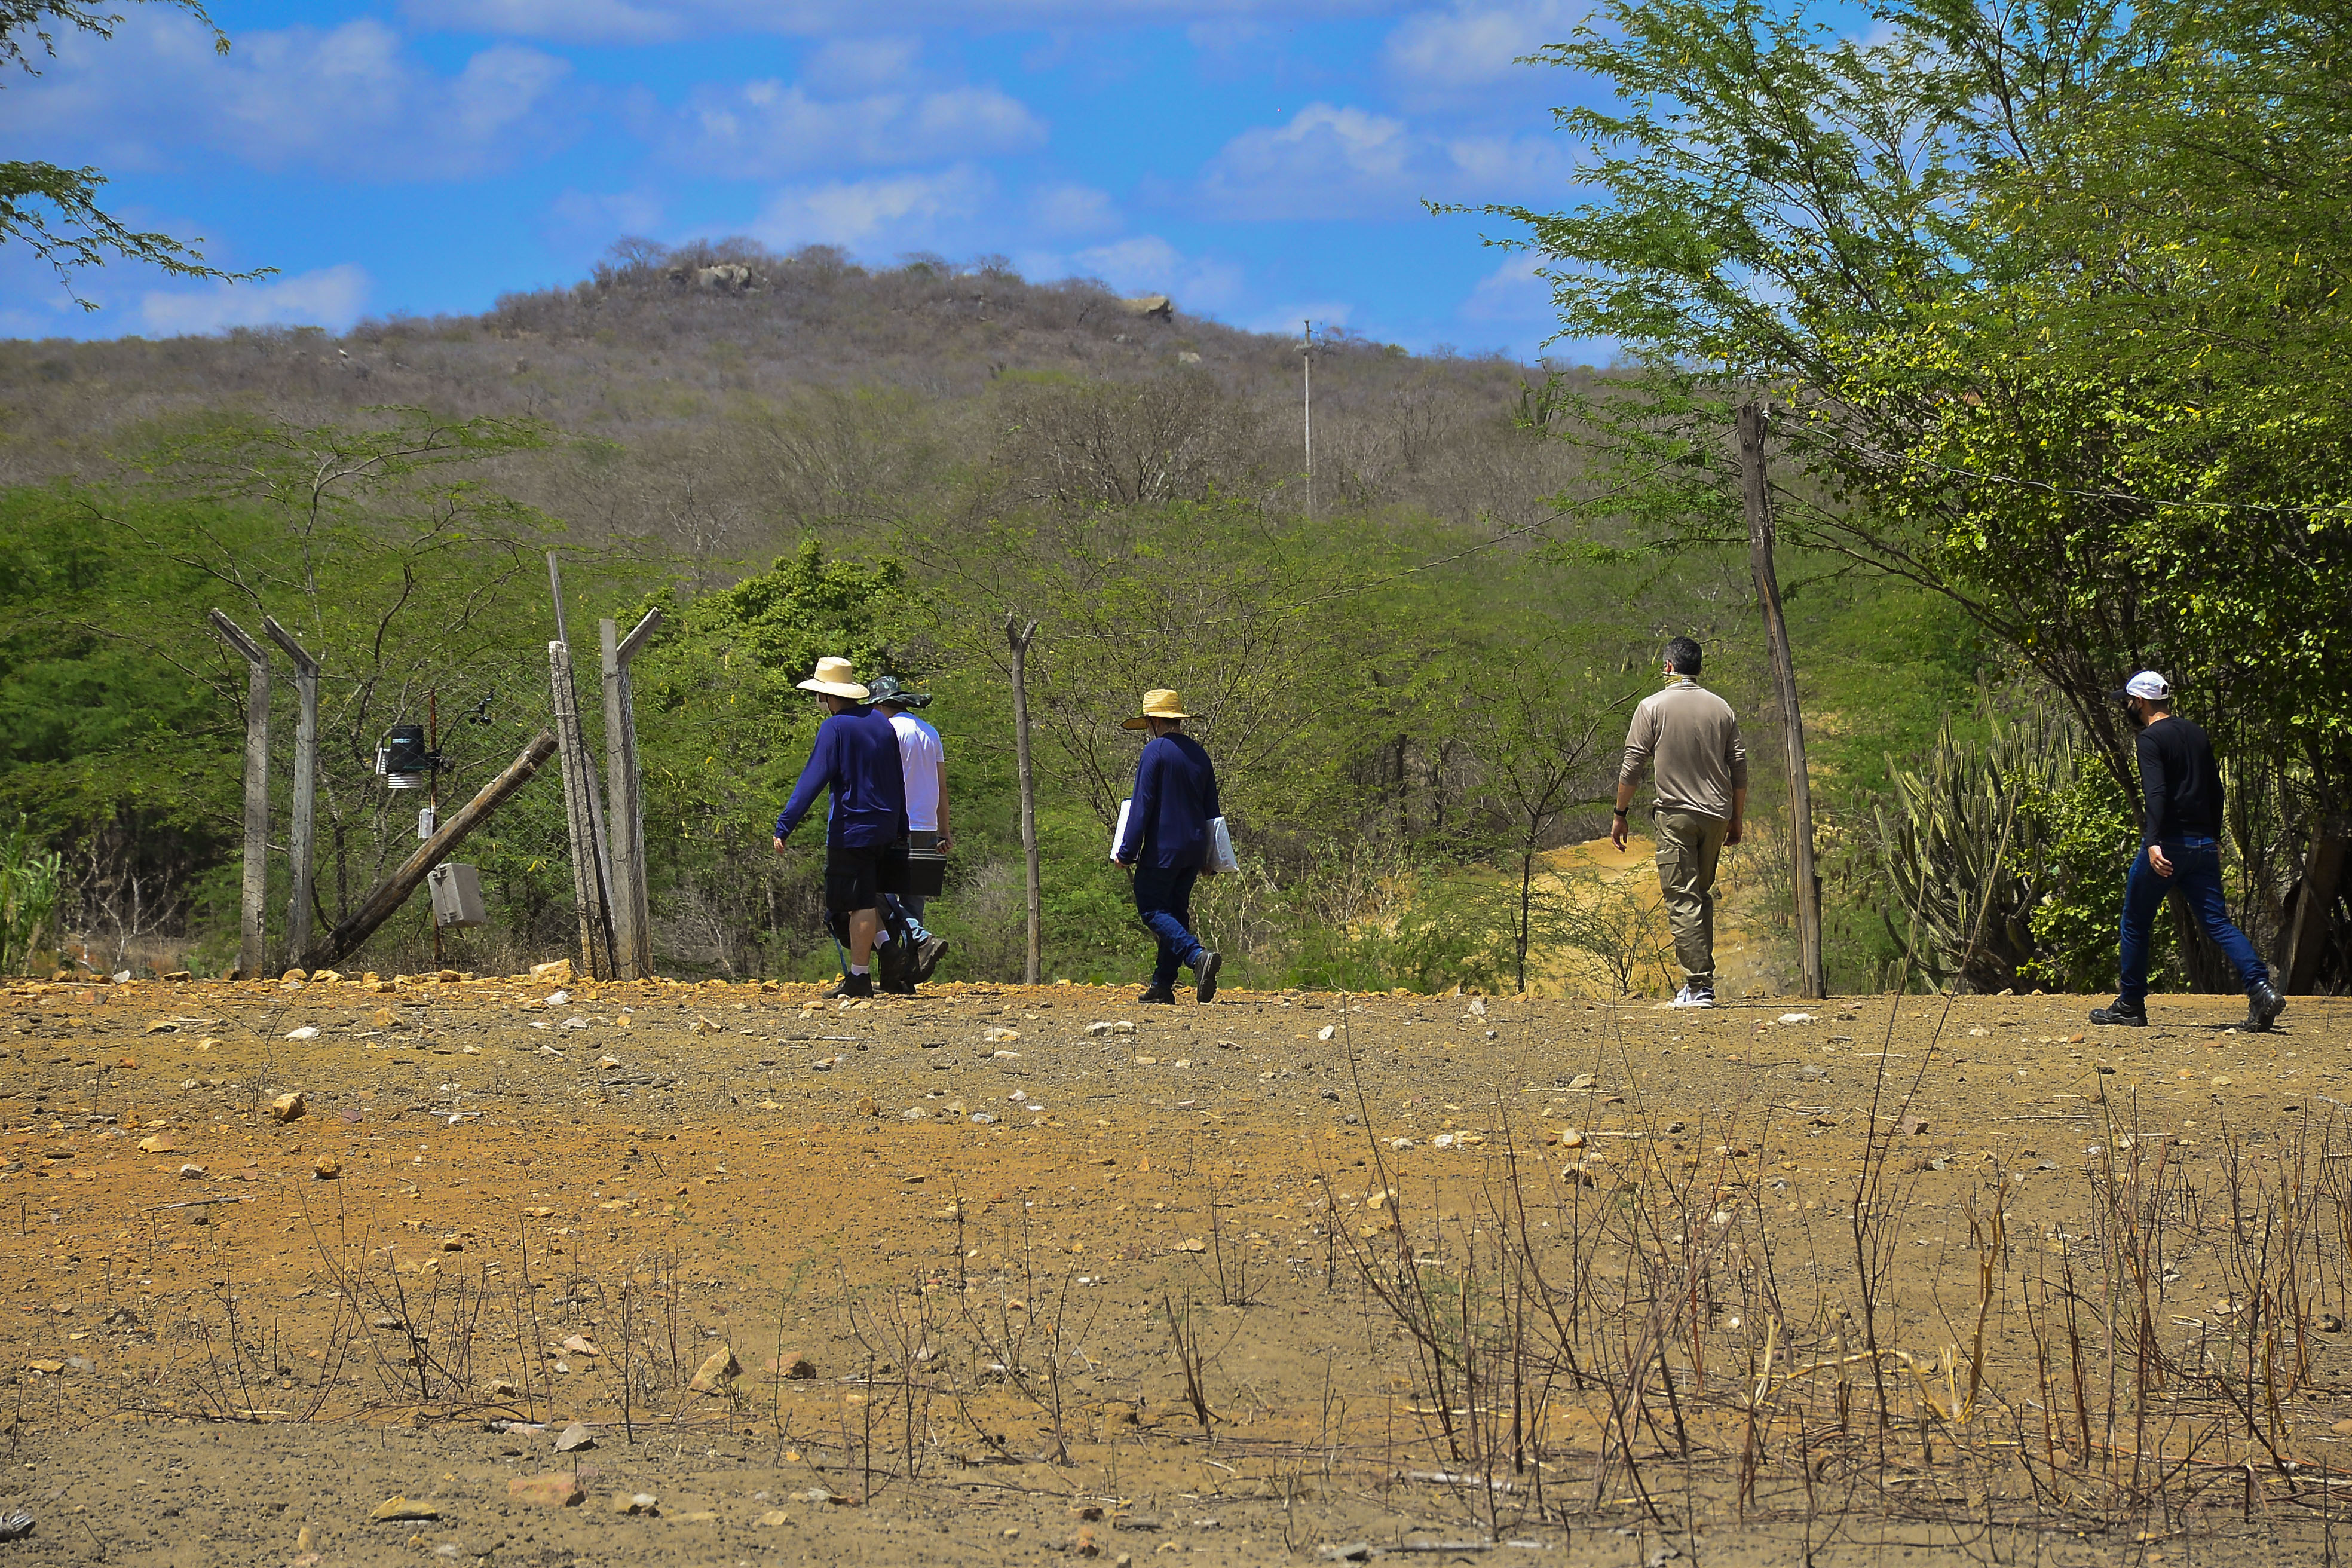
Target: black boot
2120, 1011
1204, 975
1161, 996
2263, 1004
856, 986
894, 967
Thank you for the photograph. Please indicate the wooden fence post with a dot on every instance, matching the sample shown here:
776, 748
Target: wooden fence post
252, 926
631, 909
588, 897
301, 832
1020, 637
1757, 501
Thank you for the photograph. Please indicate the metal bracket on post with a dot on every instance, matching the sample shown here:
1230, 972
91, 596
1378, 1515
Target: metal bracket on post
300, 836
252, 928
625, 816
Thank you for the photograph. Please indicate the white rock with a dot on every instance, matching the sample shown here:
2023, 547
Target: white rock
1796, 1017
557, 998
1326, 1032
307, 1032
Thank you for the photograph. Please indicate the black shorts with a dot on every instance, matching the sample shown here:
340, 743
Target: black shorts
856, 876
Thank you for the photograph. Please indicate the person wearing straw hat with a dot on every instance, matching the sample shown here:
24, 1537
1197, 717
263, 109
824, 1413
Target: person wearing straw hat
1167, 842
2179, 849
856, 760
923, 766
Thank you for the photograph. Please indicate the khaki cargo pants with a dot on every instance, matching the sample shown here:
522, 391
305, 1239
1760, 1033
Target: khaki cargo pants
1690, 843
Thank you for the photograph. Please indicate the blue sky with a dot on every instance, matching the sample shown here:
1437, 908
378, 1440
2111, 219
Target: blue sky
1262, 160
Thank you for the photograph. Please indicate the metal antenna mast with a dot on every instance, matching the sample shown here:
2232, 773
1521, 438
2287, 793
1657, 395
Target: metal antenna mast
1306, 363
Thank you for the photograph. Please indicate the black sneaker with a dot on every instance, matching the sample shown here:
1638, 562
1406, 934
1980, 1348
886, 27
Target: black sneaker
2263, 1004
1204, 975
898, 988
893, 961
854, 985
928, 953
836, 989
1159, 995
2120, 1013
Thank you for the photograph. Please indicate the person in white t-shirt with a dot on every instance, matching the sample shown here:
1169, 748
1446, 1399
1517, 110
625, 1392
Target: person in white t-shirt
923, 762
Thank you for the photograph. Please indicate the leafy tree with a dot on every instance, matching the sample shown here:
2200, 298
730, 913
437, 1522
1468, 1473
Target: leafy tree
55, 210
2048, 299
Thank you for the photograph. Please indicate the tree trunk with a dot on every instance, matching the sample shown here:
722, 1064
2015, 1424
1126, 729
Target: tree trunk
1810, 957
1020, 637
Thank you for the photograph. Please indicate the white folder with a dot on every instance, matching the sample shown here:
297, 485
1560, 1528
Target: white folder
1118, 832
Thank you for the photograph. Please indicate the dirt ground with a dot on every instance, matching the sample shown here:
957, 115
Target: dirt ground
930, 1281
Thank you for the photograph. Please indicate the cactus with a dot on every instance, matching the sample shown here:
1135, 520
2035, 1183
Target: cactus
1961, 849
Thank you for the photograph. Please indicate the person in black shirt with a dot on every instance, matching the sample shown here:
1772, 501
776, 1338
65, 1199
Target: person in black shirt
2179, 849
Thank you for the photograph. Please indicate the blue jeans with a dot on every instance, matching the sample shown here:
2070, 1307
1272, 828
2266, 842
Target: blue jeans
2197, 873
1163, 899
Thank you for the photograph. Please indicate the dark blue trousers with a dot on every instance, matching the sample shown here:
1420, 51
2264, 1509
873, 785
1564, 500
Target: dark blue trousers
2197, 873
1163, 899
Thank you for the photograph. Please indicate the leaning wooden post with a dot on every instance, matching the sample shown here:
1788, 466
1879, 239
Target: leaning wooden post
631, 909
1020, 637
252, 929
384, 902
300, 833
1754, 496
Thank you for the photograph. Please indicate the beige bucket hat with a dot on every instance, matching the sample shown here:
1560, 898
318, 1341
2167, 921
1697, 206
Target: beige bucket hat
1158, 703
836, 678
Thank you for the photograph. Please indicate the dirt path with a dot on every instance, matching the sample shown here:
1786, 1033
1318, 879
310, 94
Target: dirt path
956, 1248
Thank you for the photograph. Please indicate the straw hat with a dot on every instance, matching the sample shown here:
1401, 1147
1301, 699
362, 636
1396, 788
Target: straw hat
835, 679
1159, 703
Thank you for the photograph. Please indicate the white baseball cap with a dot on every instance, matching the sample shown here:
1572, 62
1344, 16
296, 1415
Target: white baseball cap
2148, 684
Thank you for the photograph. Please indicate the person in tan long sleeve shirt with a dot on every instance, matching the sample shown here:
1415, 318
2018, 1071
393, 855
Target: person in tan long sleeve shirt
1690, 738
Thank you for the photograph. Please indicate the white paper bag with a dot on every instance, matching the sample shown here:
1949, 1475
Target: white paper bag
1118, 832
1221, 849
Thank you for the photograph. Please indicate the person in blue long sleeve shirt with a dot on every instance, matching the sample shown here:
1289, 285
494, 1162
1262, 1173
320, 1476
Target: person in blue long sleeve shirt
1167, 843
856, 760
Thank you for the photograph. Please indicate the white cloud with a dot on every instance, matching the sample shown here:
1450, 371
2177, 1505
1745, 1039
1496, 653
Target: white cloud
1473, 46
1147, 264
766, 128
1512, 292
902, 212
576, 21
647, 21
1077, 211
331, 298
349, 101
850, 63
1333, 161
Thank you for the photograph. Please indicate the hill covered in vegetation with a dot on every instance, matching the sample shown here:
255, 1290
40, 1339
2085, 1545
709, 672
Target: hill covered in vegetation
1415, 681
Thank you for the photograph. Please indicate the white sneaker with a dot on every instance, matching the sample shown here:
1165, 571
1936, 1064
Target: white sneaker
1686, 997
